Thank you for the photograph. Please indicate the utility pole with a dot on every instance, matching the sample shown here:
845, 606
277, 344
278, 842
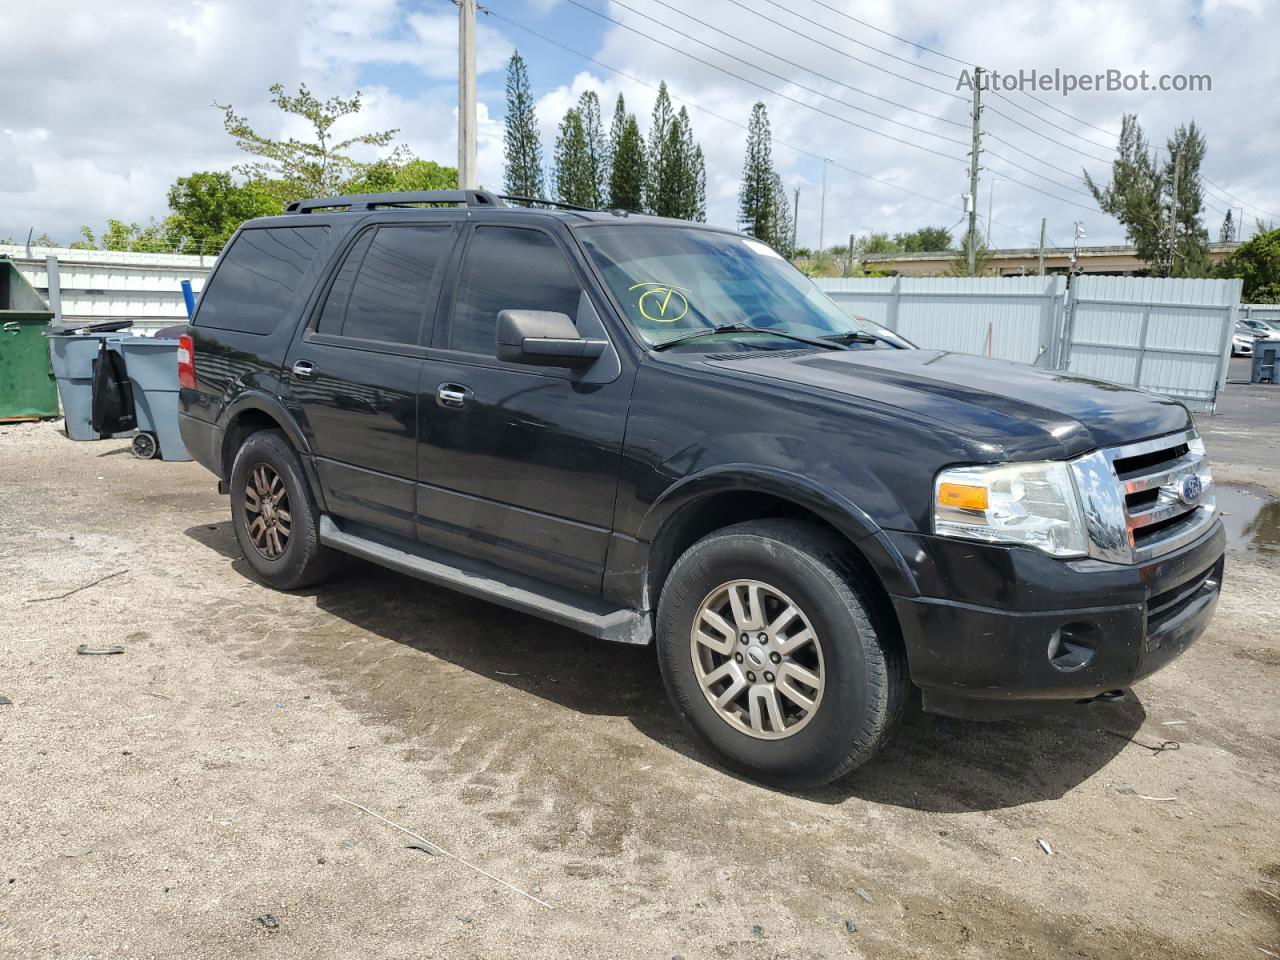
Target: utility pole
850, 273
1040, 272
795, 221
822, 212
1075, 248
467, 176
973, 167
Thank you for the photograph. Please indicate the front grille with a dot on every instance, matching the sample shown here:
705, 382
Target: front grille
1151, 474
1141, 499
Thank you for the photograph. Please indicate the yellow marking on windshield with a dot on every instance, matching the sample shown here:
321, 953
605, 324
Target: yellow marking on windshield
655, 301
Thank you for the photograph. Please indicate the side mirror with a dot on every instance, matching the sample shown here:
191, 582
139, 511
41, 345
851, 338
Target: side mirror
545, 339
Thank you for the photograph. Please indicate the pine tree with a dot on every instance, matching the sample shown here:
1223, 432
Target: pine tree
522, 149
781, 217
700, 186
757, 203
628, 169
1228, 232
596, 147
573, 175
657, 190
615, 134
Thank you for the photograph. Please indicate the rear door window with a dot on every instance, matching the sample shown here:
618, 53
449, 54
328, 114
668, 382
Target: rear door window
258, 277
387, 284
508, 268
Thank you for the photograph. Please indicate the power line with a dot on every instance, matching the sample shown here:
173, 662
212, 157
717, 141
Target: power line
833, 116
843, 53
711, 113
792, 63
1045, 136
963, 63
1229, 194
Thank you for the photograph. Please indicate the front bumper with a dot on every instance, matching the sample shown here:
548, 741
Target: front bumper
1010, 624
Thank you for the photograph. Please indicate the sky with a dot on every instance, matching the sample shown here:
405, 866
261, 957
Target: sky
107, 104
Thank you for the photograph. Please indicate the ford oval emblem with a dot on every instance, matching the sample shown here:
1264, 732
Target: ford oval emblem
1190, 490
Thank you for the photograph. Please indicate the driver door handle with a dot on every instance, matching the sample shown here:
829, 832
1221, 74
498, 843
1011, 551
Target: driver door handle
304, 370
452, 395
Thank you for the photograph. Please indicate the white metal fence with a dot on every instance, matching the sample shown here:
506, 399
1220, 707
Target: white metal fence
1168, 336
112, 285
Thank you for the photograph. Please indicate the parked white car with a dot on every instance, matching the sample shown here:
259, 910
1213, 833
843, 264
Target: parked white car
1242, 344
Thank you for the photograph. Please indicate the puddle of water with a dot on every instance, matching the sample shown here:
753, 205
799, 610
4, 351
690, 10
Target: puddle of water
1252, 520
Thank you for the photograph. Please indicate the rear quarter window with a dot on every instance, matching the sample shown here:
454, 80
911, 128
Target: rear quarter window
258, 277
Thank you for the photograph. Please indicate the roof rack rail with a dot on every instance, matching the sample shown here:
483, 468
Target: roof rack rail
371, 201
548, 203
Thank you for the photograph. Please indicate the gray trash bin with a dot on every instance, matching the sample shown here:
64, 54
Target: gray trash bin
152, 363
73, 356
1265, 357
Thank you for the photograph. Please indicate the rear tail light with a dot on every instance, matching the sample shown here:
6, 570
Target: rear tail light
186, 362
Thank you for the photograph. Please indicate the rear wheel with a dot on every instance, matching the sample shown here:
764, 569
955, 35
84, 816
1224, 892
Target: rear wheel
274, 516
769, 648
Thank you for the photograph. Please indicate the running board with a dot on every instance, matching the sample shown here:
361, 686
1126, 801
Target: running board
488, 581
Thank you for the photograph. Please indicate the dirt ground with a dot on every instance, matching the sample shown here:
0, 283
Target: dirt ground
182, 799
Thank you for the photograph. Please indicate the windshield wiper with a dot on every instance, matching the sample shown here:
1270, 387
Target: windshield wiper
747, 328
855, 336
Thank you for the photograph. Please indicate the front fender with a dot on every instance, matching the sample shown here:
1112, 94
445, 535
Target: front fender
831, 505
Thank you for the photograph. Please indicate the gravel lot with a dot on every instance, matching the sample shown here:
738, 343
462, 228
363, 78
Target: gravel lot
182, 799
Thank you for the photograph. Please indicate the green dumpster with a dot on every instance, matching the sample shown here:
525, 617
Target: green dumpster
27, 387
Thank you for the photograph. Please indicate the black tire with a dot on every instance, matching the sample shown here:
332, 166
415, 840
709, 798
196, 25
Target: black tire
304, 561
865, 676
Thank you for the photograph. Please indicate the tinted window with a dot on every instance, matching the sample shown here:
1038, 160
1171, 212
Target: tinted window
257, 278
394, 282
335, 303
508, 268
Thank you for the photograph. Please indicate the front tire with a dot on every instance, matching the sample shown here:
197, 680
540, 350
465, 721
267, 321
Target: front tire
776, 654
273, 514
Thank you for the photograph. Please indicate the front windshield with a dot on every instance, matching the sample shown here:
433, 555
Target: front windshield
675, 281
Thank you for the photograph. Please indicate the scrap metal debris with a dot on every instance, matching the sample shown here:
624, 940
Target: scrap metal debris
268, 920
1160, 748
444, 852
424, 847
87, 651
1044, 845
62, 596
5, 701
864, 895
850, 926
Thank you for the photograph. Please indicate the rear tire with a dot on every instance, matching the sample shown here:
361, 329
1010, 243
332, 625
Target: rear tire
275, 518
805, 630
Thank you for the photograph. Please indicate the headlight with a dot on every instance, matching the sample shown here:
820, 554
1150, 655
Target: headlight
1028, 503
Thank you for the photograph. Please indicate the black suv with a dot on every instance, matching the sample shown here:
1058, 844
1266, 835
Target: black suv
657, 431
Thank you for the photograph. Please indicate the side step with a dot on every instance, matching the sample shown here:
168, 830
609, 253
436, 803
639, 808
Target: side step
477, 578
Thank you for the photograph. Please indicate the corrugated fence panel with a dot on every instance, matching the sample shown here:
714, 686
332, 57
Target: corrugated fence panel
1171, 336
1012, 318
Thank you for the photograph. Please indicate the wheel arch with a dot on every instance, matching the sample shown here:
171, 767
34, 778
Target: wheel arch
724, 496
253, 412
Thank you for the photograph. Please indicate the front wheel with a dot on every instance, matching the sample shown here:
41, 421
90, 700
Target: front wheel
769, 649
274, 516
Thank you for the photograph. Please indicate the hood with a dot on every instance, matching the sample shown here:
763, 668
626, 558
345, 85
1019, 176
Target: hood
1025, 412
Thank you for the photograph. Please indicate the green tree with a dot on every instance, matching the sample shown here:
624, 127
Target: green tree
388, 176
924, 240
597, 147
293, 169
572, 173
1227, 232
657, 187
1141, 196
874, 243
119, 235
680, 173
758, 200
628, 170
781, 217
1257, 263
522, 148
206, 207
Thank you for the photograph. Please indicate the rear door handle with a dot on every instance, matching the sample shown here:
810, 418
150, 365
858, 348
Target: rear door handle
304, 370
452, 395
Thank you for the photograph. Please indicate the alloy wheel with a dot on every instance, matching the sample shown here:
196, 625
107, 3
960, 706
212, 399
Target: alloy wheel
266, 507
757, 659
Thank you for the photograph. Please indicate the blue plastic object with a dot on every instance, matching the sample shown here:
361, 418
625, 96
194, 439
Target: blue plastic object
152, 363
72, 356
189, 298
